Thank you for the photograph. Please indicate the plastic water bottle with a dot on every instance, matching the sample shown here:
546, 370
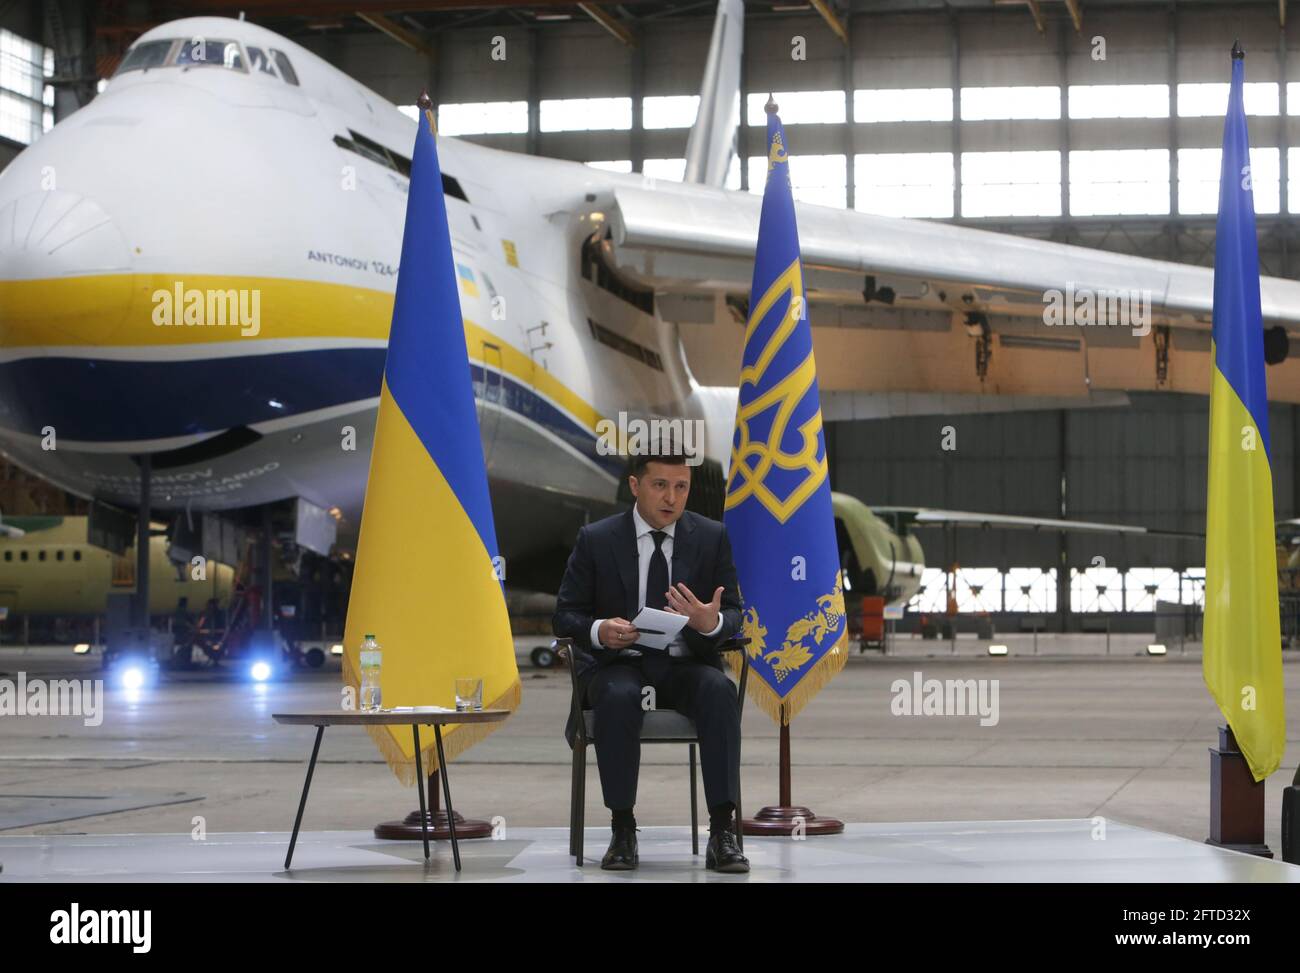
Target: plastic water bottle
371, 656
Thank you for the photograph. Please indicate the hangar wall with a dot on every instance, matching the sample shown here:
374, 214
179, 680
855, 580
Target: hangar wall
1144, 464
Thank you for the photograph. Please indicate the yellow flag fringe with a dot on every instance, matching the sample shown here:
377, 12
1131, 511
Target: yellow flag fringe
826, 669
455, 740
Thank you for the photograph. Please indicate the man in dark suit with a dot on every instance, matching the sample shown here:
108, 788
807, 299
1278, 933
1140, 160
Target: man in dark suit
656, 555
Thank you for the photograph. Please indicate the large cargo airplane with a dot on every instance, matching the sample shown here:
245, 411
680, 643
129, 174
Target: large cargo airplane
199, 265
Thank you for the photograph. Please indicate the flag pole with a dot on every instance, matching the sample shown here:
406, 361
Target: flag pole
1237, 614
435, 824
786, 817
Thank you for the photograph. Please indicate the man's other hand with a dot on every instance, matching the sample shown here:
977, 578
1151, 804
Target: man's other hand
617, 633
701, 616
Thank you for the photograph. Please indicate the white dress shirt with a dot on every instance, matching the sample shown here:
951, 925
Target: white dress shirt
645, 547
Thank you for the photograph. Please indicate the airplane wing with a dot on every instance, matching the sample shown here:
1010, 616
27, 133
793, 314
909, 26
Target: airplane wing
691, 239
933, 517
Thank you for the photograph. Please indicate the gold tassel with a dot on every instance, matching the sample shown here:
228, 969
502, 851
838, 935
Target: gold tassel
453, 744
782, 709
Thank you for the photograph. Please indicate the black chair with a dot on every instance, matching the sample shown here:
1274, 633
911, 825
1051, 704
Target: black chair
658, 726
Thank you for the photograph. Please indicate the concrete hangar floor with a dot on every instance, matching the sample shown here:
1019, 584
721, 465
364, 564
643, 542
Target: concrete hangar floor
1079, 738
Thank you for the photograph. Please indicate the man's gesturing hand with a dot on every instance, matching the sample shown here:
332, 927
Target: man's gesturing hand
702, 616
617, 633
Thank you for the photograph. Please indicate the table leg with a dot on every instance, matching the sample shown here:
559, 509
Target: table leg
446, 796
302, 802
419, 786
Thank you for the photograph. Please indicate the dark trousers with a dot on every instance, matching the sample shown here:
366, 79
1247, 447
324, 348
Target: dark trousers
699, 691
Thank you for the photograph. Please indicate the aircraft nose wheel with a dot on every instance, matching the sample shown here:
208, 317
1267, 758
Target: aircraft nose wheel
543, 657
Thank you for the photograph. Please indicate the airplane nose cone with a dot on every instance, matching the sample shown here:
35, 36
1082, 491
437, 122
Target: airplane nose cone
52, 234
65, 282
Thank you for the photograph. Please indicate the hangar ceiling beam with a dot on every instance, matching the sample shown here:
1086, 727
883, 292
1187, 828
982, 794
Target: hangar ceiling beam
832, 20
609, 22
1037, 13
1076, 14
396, 31
256, 9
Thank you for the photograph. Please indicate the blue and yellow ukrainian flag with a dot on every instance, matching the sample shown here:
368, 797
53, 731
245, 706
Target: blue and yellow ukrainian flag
1243, 645
778, 507
426, 582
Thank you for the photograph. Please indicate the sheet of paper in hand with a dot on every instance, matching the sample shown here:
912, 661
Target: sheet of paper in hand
657, 628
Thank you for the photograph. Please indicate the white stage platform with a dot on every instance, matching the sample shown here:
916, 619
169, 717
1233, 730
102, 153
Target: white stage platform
964, 851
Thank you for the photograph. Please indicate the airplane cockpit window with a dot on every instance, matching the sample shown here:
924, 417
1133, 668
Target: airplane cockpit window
142, 57
286, 69
272, 62
210, 52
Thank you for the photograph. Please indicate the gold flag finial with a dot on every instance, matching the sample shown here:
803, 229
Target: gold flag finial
425, 104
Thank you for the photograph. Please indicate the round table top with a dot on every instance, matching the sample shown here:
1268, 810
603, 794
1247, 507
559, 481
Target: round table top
409, 717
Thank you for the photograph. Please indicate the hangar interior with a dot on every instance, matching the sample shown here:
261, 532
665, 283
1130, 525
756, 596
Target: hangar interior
1092, 123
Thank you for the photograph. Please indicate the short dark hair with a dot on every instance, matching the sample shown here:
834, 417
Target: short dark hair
671, 457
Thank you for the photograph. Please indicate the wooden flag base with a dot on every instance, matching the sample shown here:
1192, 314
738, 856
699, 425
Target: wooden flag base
781, 820
788, 818
1236, 800
408, 829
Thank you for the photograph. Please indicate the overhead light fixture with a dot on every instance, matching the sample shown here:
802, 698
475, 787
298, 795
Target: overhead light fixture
1156, 648
336, 649
81, 648
997, 650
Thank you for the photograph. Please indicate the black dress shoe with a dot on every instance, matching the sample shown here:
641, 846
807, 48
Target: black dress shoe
621, 855
723, 854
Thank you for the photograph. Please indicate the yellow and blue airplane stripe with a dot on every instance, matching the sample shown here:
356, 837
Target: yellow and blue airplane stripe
1242, 663
321, 345
427, 579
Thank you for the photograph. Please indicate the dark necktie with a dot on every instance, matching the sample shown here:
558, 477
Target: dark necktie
656, 582
655, 661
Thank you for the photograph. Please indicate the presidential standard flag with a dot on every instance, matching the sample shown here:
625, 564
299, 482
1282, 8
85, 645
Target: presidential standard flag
427, 581
778, 507
1243, 654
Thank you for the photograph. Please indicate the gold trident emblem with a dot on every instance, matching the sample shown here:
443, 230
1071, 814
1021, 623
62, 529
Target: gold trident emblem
775, 152
751, 461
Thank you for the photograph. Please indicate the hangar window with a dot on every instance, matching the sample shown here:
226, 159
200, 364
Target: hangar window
1198, 179
820, 179
902, 105
1107, 182
669, 111
26, 101
799, 107
1022, 101
22, 555
76, 555
40, 555
9, 555
208, 52
585, 114
272, 62
1011, 183
904, 184
674, 169
1211, 100
58, 555
142, 57
479, 118
1119, 101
